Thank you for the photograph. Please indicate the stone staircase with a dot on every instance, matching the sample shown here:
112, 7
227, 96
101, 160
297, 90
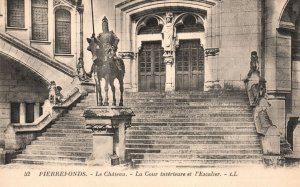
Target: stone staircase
66, 142
181, 129
204, 129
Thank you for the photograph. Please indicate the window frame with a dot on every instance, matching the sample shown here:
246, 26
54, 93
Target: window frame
44, 23
57, 49
21, 10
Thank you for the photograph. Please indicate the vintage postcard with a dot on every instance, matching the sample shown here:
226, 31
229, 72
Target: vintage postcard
150, 93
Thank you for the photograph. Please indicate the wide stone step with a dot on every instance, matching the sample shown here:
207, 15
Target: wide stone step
193, 162
70, 135
196, 151
193, 115
55, 152
60, 130
183, 124
207, 119
155, 156
182, 104
69, 123
52, 157
183, 108
200, 143
66, 146
166, 146
65, 139
78, 118
130, 101
61, 126
239, 128
46, 162
72, 146
191, 111
191, 132
196, 137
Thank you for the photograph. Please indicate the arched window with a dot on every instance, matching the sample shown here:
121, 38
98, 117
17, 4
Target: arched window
39, 10
189, 24
151, 26
62, 31
15, 13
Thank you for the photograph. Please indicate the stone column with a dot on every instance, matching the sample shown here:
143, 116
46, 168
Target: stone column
127, 58
210, 71
22, 113
36, 111
169, 61
80, 9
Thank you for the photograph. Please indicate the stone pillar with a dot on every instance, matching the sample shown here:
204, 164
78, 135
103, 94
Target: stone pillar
211, 70
277, 112
36, 111
127, 58
109, 125
22, 113
80, 9
170, 83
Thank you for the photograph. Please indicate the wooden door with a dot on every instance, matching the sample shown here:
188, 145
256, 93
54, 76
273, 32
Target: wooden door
189, 66
152, 70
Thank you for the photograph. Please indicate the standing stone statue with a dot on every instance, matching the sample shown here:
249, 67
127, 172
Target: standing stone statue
168, 35
254, 64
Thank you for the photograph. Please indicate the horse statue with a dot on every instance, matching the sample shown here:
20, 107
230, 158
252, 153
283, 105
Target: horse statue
109, 68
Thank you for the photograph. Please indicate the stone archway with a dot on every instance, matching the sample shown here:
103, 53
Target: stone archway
128, 16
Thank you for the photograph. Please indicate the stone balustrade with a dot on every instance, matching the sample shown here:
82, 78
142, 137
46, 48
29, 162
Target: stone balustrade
18, 135
269, 133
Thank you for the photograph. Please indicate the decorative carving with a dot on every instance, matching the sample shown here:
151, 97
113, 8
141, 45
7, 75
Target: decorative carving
168, 59
254, 64
168, 35
82, 75
211, 51
55, 95
80, 9
56, 2
126, 55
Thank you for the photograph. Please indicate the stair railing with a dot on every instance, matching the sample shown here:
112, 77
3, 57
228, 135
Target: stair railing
268, 132
17, 136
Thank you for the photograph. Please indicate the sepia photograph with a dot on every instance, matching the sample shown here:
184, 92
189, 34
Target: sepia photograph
150, 93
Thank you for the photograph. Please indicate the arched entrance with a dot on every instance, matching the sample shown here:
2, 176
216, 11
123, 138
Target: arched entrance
171, 54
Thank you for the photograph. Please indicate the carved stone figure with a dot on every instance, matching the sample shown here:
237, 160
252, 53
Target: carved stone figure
105, 63
52, 92
168, 35
80, 70
55, 95
254, 64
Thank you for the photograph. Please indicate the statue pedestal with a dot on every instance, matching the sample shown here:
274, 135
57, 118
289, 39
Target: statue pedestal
108, 124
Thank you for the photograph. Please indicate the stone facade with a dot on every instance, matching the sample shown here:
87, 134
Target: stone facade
232, 29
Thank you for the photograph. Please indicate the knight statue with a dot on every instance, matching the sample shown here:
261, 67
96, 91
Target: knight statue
105, 62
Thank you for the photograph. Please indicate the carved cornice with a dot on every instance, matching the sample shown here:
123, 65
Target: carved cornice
212, 51
126, 55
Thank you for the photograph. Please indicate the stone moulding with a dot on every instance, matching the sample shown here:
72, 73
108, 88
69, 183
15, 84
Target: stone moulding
17, 136
44, 58
100, 119
126, 55
212, 51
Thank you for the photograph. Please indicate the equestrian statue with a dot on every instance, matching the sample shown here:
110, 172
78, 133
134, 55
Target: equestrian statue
106, 64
